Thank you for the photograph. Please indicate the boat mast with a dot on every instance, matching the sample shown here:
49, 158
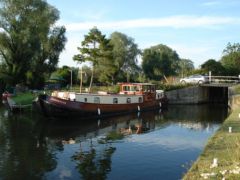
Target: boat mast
80, 90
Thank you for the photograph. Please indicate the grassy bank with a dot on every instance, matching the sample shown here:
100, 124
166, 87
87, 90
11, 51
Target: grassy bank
24, 98
223, 146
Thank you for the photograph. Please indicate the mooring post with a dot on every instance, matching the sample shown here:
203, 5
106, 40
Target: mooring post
209, 76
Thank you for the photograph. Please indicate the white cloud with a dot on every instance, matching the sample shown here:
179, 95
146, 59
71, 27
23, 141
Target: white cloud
89, 14
197, 53
66, 57
218, 3
172, 22
211, 3
170, 142
65, 173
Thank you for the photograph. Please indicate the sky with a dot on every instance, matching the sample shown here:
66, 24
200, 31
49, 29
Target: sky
196, 29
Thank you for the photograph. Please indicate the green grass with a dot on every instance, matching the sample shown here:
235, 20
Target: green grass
236, 89
225, 147
170, 87
24, 98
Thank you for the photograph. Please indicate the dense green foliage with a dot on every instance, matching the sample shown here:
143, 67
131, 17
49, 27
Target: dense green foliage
159, 61
125, 53
185, 67
65, 75
236, 89
169, 87
231, 59
214, 66
95, 49
30, 44
112, 60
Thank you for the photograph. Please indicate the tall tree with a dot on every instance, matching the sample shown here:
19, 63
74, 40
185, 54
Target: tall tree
95, 48
160, 61
30, 44
106, 67
214, 66
125, 54
231, 59
185, 66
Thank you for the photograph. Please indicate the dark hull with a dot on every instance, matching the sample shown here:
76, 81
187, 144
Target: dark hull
56, 107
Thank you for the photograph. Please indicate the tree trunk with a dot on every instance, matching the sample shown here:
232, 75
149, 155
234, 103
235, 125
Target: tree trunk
128, 77
90, 85
80, 88
165, 78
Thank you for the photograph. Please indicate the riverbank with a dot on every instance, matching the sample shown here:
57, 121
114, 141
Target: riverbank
221, 156
20, 101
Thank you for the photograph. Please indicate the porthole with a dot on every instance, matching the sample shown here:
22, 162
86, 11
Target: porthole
115, 100
128, 100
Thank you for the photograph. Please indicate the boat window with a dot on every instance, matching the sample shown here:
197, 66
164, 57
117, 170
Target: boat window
132, 88
137, 88
115, 100
159, 96
126, 88
145, 89
140, 99
148, 88
96, 100
85, 99
128, 100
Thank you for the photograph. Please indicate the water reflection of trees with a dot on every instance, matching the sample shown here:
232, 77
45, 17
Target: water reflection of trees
28, 145
22, 155
94, 163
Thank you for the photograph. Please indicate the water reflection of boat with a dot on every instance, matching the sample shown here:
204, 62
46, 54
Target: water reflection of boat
79, 130
133, 97
198, 119
96, 139
5, 96
43, 148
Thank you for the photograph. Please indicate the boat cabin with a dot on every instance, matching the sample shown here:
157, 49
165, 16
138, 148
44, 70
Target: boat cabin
137, 88
129, 93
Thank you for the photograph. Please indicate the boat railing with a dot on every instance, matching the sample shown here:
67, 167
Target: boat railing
102, 92
64, 95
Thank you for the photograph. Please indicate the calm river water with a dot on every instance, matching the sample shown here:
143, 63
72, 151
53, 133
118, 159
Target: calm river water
152, 145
